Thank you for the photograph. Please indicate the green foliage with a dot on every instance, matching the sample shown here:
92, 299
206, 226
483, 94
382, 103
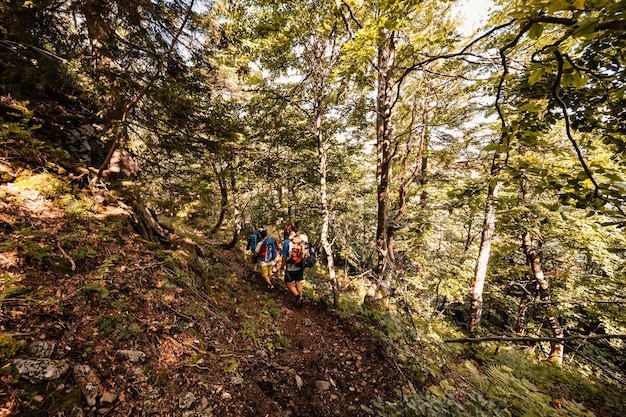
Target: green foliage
269, 310
231, 366
105, 267
9, 346
115, 324
108, 323
438, 402
248, 332
95, 291
84, 252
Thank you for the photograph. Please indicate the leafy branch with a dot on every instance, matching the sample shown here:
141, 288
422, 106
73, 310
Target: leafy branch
528, 339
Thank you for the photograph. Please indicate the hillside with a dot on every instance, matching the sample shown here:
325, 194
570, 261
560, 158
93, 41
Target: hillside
97, 321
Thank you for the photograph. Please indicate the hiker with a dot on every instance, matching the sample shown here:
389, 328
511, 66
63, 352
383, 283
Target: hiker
289, 229
284, 250
294, 267
265, 253
253, 241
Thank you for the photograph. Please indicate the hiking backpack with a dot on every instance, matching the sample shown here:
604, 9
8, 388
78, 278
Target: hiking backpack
304, 254
253, 241
310, 255
297, 254
267, 251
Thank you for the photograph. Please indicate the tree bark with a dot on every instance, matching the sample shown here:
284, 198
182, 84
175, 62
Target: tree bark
328, 250
534, 261
411, 171
221, 181
484, 253
321, 64
238, 223
384, 153
533, 257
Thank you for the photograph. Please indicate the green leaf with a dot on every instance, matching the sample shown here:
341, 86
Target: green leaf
579, 79
535, 31
535, 75
557, 5
438, 391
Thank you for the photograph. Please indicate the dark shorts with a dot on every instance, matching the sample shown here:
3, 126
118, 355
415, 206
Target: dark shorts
293, 276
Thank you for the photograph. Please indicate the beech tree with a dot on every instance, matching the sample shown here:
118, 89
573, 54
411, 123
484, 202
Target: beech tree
555, 40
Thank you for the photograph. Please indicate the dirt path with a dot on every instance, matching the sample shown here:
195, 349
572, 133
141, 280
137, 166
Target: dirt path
333, 367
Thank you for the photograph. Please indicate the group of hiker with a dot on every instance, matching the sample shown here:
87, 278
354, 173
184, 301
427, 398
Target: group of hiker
296, 254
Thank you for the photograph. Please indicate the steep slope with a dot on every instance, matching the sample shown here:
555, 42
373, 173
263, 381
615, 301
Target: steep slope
96, 321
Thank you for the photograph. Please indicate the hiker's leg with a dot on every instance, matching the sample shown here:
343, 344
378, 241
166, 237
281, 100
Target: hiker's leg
292, 288
266, 271
290, 283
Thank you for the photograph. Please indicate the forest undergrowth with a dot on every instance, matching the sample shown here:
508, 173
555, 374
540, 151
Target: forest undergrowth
76, 274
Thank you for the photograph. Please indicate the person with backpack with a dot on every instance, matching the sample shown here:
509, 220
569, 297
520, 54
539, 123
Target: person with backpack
253, 241
266, 253
294, 267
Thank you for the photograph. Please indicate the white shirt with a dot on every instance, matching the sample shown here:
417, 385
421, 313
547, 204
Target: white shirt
257, 250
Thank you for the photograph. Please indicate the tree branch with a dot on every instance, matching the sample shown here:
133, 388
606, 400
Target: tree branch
521, 339
581, 159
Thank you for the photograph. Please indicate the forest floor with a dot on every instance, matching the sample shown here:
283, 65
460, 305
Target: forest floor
217, 343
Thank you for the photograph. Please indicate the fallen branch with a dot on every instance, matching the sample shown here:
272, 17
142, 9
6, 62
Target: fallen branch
66, 256
534, 339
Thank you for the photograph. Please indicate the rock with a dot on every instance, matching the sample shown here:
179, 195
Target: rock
186, 401
41, 348
41, 369
322, 385
108, 397
88, 382
299, 382
132, 355
237, 380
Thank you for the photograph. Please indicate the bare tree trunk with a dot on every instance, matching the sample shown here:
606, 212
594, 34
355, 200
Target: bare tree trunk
330, 260
384, 151
221, 181
480, 271
238, 223
524, 303
533, 257
411, 171
321, 64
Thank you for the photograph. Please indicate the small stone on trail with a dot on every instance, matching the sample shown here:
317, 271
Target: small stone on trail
322, 385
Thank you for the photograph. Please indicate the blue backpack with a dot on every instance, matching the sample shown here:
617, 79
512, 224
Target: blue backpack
254, 239
268, 252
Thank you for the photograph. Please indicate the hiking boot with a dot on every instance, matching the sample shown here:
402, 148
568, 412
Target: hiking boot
270, 286
300, 301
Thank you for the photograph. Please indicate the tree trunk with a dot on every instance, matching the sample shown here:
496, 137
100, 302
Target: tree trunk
384, 152
411, 171
480, 271
533, 257
146, 222
321, 63
221, 181
328, 250
238, 223
520, 325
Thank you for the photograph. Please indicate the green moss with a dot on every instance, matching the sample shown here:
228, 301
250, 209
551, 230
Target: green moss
9, 346
71, 399
60, 265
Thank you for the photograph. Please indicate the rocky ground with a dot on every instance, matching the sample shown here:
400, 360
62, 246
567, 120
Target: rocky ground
96, 321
